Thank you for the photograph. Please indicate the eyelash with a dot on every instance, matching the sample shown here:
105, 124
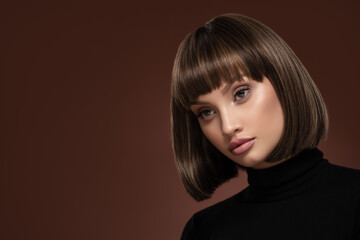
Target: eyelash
241, 89
245, 89
202, 116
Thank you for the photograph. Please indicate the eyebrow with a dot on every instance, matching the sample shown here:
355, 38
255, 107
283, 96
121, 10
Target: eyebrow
223, 91
196, 102
229, 84
227, 87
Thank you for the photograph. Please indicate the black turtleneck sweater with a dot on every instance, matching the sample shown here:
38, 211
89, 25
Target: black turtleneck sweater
302, 198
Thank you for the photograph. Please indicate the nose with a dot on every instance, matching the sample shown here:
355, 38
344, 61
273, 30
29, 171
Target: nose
230, 122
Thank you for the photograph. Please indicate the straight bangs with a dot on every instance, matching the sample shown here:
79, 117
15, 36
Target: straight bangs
205, 60
226, 49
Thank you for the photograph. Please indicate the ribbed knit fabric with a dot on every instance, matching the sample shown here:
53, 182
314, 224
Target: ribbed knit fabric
304, 197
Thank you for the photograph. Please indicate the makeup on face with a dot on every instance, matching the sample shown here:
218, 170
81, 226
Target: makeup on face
243, 120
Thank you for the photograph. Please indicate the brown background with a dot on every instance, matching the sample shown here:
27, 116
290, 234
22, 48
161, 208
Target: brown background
85, 144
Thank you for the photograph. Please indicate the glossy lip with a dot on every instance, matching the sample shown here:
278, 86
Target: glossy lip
240, 145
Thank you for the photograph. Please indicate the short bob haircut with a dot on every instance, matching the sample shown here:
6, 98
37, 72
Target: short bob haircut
226, 48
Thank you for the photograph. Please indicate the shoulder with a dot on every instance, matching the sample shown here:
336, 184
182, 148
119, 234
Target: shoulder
344, 181
344, 175
200, 224
343, 186
211, 213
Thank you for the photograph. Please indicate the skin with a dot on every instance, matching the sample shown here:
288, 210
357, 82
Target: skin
242, 109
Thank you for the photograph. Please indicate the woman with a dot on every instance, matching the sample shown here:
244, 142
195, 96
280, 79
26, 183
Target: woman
240, 98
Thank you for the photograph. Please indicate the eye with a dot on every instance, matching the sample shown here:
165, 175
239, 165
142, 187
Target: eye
241, 93
206, 114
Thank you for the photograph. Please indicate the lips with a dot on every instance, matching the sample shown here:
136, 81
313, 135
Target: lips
240, 145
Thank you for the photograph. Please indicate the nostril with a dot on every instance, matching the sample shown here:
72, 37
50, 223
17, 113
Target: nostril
231, 129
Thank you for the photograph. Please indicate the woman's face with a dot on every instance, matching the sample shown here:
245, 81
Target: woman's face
243, 120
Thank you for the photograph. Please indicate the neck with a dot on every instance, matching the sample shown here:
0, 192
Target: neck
287, 176
264, 165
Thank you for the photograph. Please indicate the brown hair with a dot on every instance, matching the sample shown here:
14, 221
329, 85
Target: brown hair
224, 49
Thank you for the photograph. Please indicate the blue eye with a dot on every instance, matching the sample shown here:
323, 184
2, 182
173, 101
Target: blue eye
241, 93
206, 114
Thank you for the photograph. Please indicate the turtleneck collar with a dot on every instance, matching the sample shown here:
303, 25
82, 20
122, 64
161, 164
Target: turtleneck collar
285, 179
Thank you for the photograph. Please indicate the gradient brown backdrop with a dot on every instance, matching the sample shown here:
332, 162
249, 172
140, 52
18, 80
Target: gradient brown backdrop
85, 143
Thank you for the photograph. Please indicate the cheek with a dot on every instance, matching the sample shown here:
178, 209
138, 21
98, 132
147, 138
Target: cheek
266, 119
212, 133
272, 118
